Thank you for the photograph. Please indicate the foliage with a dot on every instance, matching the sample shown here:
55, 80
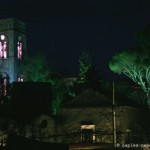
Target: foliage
88, 76
84, 65
93, 78
81, 82
139, 96
136, 66
36, 69
58, 91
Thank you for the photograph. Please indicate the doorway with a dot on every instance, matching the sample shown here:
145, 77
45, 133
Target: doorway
87, 133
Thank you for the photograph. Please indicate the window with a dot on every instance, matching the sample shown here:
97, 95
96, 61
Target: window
19, 48
4, 86
3, 46
20, 79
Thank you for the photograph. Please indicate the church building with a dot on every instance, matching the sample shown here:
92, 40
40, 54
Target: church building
12, 48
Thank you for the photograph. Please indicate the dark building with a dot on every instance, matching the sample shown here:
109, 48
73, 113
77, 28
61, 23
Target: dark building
30, 99
12, 47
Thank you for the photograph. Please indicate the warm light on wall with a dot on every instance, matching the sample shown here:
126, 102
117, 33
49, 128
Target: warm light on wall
88, 127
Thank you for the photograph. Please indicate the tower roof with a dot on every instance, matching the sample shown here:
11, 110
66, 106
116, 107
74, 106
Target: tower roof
12, 24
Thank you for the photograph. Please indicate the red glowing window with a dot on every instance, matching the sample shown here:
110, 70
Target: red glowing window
3, 47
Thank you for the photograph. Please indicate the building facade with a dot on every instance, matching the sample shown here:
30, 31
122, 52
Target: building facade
92, 125
12, 48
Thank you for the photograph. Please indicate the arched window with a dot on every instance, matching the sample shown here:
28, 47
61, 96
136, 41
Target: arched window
4, 84
3, 46
20, 78
19, 48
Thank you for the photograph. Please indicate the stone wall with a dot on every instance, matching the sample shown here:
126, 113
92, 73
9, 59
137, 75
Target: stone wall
70, 126
126, 120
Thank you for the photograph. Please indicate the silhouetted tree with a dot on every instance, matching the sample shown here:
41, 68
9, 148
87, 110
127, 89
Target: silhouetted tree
84, 66
92, 79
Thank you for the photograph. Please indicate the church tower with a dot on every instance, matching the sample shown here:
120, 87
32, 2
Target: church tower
12, 48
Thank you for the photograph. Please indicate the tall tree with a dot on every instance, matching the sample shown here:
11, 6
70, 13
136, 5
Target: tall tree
36, 69
93, 78
135, 65
84, 66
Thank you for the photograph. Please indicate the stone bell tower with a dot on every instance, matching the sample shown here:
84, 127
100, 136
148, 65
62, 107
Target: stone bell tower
12, 48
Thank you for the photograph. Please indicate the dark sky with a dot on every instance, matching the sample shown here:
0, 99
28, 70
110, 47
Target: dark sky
61, 29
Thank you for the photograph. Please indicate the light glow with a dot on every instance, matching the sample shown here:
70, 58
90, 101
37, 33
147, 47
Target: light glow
20, 79
19, 50
88, 127
2, 37
3, 47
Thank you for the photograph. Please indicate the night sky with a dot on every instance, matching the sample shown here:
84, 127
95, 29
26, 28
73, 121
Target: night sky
61, 29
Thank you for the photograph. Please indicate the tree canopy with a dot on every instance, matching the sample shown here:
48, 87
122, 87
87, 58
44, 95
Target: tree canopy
36, 69
59, 89
135, 64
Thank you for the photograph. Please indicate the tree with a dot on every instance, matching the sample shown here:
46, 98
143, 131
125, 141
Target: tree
89, 76
92, 78
36, 69
84, 66
58, 91
135, 64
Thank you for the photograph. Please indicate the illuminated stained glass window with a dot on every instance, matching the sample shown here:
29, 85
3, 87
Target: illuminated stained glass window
19, 48
3, 46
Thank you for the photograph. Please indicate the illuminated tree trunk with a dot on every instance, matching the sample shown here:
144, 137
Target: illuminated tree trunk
57, 105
